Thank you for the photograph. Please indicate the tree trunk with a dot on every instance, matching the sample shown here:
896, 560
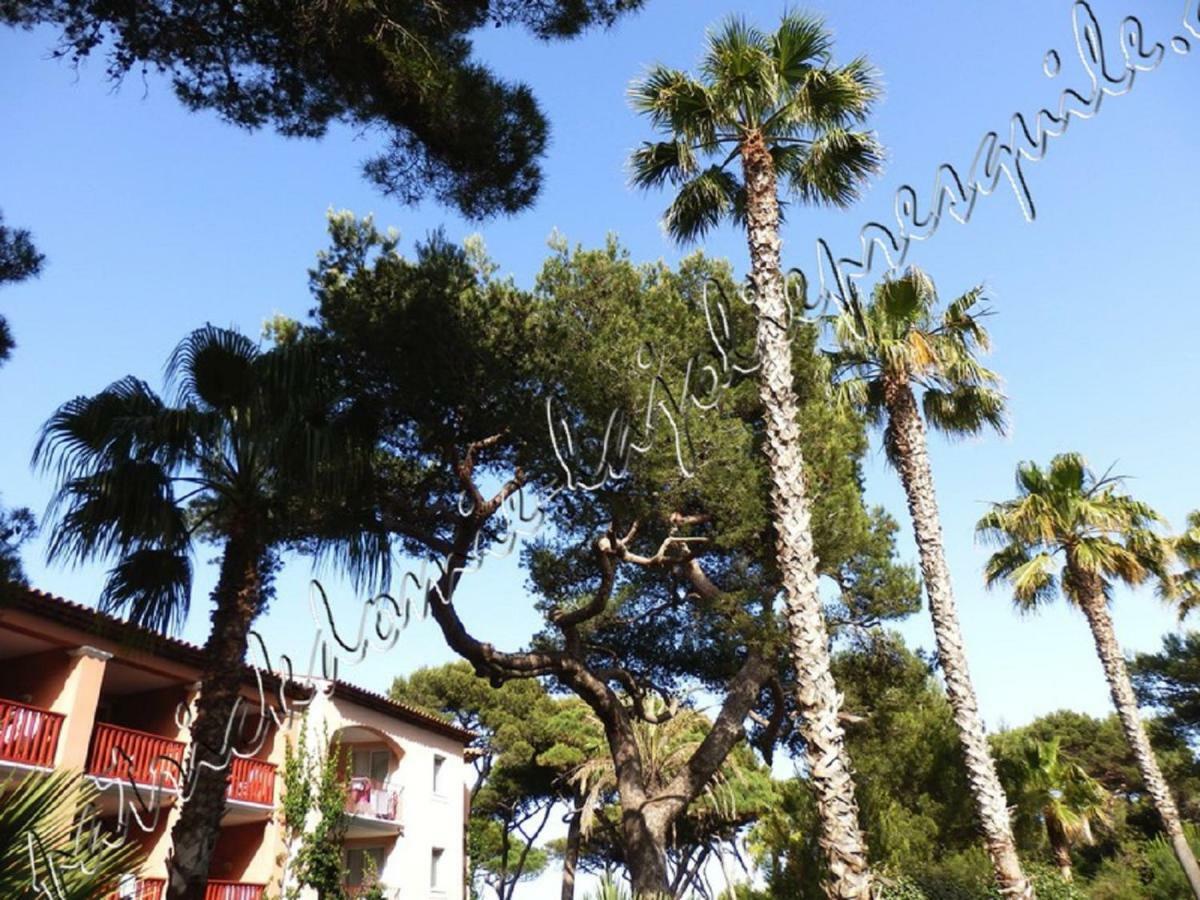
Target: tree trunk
907, 448
1095, 607
237, 597
816, 694
571, 852
1059, 845
644, 842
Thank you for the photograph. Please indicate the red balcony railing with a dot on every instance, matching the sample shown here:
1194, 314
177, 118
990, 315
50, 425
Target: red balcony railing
128, 754
233, 890
367, 797
143, 889
27, 734
252, 781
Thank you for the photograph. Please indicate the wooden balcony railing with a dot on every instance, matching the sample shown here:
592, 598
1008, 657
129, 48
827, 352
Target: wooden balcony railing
233, 890
27, 734
128, 754
367, 797
142, 889
252, 781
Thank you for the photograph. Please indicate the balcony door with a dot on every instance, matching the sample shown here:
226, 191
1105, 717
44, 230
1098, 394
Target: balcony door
371, 764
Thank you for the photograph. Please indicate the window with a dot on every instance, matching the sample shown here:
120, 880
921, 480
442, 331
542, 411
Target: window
435, 865
360, 862
439, 765
371, 764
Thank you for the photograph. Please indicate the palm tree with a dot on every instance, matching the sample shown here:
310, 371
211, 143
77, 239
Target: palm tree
250, 437
1102, 536
1058, 795
50, 843
886, 352
665, 746
775, 105
1187, 550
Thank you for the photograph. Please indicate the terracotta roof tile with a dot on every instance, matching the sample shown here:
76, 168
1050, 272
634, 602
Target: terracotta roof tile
87, 619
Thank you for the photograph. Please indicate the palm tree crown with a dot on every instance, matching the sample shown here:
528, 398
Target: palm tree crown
780, 88
250, 433
898, 337
1067, 512
1056, 794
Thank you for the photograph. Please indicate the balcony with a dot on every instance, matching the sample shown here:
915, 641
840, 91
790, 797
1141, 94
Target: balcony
368, 797
28, 735
233, 890
375, 810
251, 781
129, 755
140, 889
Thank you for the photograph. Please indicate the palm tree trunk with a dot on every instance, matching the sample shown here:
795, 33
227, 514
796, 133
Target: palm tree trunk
237, 597
1059, 845
816, 694
571, 851
907, 447
1095, 607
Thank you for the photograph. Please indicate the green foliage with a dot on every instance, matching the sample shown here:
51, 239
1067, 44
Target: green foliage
297, 786
19, 260
1169, 681
51, 843
780, 88
1052, 792
1143, 870
609, 889
898, 337
1067, 512
320, 862
16, 527
243, 456
911, 781
372, 889
968, 876
454, 129
602, 354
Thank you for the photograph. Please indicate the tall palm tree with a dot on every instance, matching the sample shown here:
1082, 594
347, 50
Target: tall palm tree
888, 350
766, 108
250, 439
1102, 536
1056, 794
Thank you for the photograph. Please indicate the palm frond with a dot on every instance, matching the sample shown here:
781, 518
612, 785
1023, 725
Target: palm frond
665, 162
965, 410
213, 367
835, 168
737, 63
701, 204
152, 587
41, 853
799, 44
675, 103
130, 504
126, 420
825, 100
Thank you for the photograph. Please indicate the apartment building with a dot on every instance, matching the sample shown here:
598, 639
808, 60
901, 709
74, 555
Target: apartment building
86, 691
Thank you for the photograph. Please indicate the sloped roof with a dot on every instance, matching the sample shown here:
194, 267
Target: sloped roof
91, 621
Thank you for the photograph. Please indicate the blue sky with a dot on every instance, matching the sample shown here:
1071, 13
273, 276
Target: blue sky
155, 221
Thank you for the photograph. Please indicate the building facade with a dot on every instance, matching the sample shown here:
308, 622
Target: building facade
84, 691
